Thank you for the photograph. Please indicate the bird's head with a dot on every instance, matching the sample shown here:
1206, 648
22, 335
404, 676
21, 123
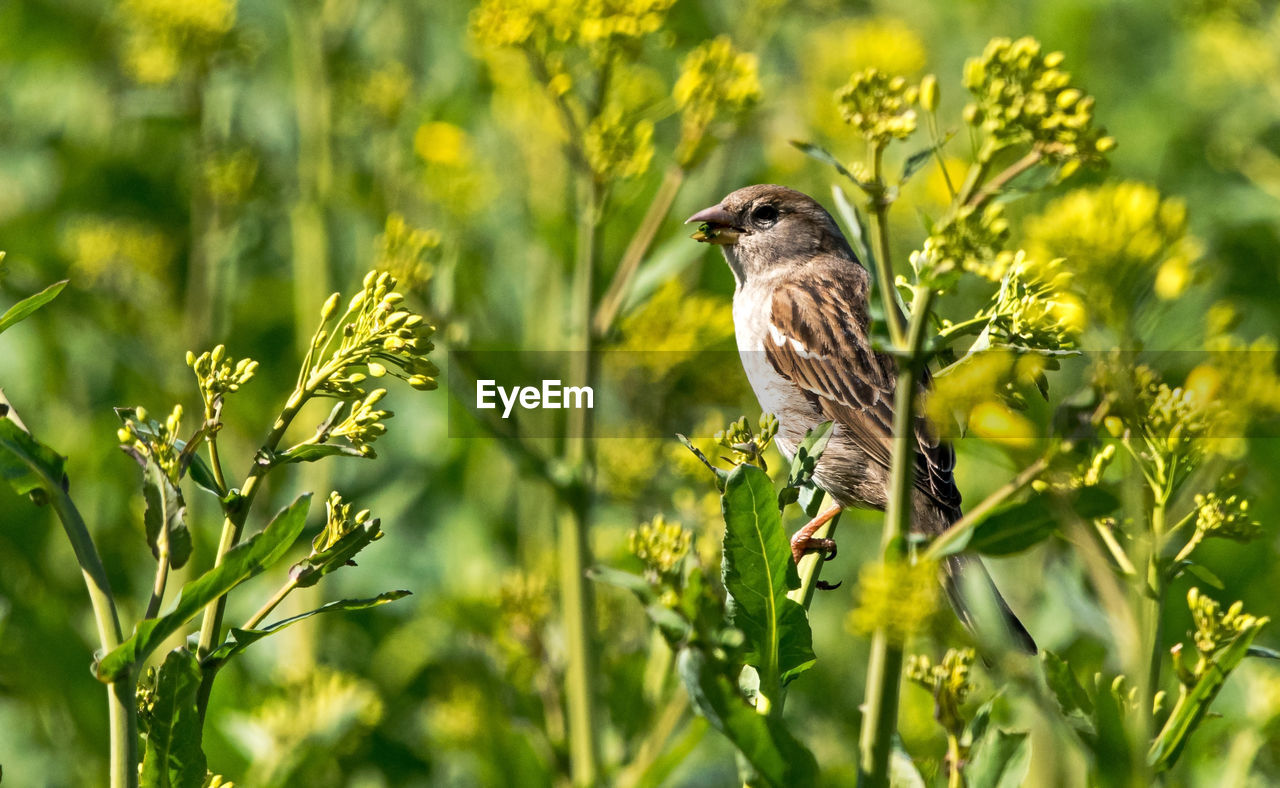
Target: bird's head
762, 227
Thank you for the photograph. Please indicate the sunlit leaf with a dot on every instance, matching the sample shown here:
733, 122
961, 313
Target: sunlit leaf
166, 514
1000, 761
758, 572
27, 306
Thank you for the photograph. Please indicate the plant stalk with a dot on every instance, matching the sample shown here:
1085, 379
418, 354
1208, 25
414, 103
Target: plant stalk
576, 595
884, 670
883, 263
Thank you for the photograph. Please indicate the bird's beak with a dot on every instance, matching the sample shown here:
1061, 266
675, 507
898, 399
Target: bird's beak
717, 226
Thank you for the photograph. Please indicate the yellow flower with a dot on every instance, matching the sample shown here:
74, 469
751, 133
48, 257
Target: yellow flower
714, 78
442, 143
899, 597
879, 105
997, 423
1121, 241
617, 146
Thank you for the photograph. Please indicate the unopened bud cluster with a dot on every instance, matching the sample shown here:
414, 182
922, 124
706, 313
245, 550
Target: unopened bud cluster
152, 439
746, 445
1226, 518
339, 521
363, 424
1022, 96
948, 681
375, 333
661, 545
879, 106
219, 375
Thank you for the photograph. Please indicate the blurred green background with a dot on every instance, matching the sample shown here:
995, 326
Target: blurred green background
208, 172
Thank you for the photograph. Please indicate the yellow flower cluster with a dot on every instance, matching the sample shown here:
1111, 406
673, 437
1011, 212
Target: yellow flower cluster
1215, 629
1031, 309
405, 251
1121, 242
879, 106
1022, 97
504, 23
617, 146
1226, 518
113, 250
948, 681
674, 326
661, 545
973, 241
161, 33
899, 597
144, 437
339, 521
714, 78
976, 391
217, 375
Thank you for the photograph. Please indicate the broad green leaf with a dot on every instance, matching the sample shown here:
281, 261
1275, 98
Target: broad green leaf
240, 639
173, 757
779, 759
27, 464
1014, 528
244, 561
315, 451
24, 308
758, 572
1191, 707
1000, 761
1073, 701
810, 499
166, 515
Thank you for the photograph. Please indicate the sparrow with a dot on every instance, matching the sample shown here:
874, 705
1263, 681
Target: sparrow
800, 313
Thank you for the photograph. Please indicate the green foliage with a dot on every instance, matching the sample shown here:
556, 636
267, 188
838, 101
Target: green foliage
173, 757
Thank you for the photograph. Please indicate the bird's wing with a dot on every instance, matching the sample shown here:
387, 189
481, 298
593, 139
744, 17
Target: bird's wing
818, 340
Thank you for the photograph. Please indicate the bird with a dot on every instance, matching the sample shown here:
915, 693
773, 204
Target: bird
801, 319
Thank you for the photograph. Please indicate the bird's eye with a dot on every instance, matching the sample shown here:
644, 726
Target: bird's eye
764, 215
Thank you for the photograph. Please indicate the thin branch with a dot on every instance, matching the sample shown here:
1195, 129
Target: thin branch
976, 514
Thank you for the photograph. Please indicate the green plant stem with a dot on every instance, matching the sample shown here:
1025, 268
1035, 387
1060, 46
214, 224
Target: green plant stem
616, 294
121, 694
664, 726
233, 526
1155, 599
883, 262
884, 670
162, 575
576, 596
993, 187
270, 605
955, 777
810, 566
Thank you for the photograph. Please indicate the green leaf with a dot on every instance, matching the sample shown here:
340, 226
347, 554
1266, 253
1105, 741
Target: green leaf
758, 572
778, 757
244, 561
311, 452
720, 473
811, 497
24, 308
916, 161
1262, 653
173, 757
27, 464
240, 639
1073, 701
902, 770
166, 515
1113, 754
808, 453
1014, 528
1001, 761
1201, 573
827, 157
1192, 706
855, 225
625, 580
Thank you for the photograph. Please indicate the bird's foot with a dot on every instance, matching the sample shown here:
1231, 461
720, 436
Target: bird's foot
805, 542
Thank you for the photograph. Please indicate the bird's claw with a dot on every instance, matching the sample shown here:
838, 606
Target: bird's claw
802, 544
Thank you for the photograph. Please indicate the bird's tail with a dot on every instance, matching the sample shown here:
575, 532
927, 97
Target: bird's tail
978, 603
